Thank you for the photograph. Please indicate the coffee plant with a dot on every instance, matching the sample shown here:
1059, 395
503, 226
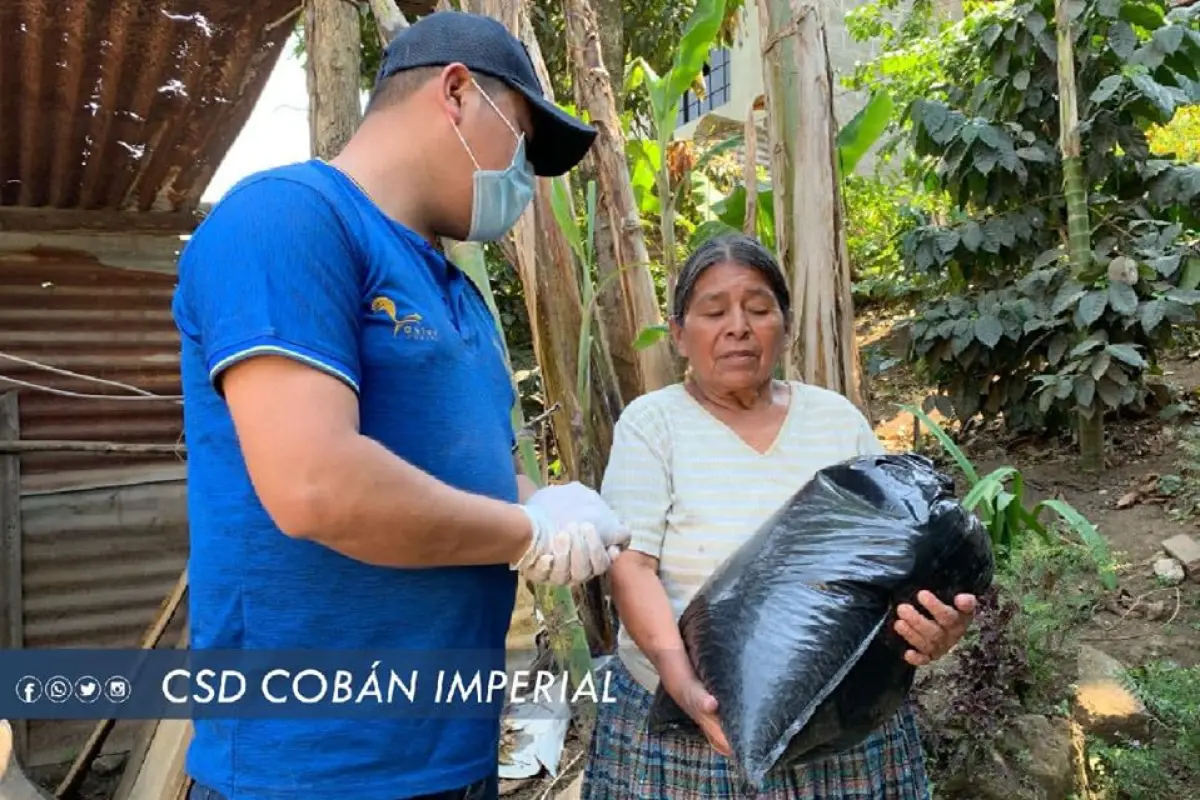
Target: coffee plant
1014, 331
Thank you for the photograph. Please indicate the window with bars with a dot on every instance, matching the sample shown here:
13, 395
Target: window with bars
716, 89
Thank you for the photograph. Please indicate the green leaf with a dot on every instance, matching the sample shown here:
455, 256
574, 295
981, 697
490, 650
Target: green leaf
1107, 88
1109, 392
1046, 258
1167, 39
1122, 40
861, 132
640, 72
1187, 297
1191, 275
971, 236
1109, 9
1089, 344
986, 161
1058, 346
1021, 80
933, 116
564, 215
1127, 354
988, 330
1068, 295
1085, 390
1088, 534
1122, 298
1152, 315
1161, 99
951, 448
988, 489
1033, 154
708, 230
1100, 363
1143, 15
1091, 308
650, 336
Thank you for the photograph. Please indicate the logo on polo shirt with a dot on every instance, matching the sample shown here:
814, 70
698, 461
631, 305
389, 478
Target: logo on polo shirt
409, 324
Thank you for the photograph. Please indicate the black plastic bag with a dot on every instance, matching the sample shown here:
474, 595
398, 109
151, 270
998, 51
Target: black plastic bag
793, 633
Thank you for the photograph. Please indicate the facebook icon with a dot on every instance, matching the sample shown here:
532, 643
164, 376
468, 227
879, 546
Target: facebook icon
29, 689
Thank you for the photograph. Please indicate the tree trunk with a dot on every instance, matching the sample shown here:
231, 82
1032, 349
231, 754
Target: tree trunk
13, 783
1091, 419
610, 21
808, 210
629, 263
333, 62
551, 284
750, 174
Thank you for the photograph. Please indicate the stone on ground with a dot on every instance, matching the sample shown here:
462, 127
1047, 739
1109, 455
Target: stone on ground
1169, 571
1033, 762
1104, 705
1185, 550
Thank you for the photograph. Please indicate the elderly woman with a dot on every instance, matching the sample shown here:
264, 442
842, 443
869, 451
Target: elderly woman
695, 469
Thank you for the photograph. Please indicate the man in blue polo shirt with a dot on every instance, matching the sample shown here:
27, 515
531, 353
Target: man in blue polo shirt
352, 484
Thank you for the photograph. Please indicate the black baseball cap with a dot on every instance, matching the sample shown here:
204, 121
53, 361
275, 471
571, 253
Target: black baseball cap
484, 45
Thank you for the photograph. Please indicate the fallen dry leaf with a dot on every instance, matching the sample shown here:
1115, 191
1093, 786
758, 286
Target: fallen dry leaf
1129, 500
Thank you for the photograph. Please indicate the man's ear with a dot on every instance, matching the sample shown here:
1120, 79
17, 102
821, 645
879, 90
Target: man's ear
454, 81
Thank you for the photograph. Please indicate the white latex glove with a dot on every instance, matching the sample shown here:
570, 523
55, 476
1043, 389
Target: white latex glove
576, 536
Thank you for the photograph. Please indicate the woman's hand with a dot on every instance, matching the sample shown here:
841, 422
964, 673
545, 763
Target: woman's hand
697, 703
932, 638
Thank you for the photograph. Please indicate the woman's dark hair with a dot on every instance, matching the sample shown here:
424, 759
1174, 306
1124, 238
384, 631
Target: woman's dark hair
734, 248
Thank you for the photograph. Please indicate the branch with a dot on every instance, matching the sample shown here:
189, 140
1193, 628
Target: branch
388, 18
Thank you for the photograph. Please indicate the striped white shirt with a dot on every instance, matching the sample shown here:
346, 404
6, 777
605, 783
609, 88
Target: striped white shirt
692, 491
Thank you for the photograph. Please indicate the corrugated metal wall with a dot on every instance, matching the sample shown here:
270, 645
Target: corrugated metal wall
104, 536
97, 563
68, 311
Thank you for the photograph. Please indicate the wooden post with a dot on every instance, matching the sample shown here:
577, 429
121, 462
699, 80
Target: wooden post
12, 606
809, 236
333, 62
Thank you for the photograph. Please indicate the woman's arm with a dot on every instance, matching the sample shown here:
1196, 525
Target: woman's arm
638, 486
644, 608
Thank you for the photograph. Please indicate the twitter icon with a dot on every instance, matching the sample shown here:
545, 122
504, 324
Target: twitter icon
87, 689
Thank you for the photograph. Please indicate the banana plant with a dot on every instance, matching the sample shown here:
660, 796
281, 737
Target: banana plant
854, 140
666, 93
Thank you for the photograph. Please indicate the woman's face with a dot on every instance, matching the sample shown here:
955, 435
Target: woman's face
733, 332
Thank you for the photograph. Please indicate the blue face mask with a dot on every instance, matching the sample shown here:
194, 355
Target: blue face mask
499, 196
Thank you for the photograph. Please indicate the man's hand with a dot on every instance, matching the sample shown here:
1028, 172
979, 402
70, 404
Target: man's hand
576, 536
933, 638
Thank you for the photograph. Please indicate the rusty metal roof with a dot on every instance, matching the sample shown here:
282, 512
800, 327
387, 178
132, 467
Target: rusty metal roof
128, 104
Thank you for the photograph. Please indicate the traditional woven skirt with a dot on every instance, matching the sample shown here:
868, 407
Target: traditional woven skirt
626, 762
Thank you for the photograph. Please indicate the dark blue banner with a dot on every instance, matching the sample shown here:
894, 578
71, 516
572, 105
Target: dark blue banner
266, 684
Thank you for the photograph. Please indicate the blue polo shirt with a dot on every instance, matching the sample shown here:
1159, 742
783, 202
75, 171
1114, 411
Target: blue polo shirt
297, 261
